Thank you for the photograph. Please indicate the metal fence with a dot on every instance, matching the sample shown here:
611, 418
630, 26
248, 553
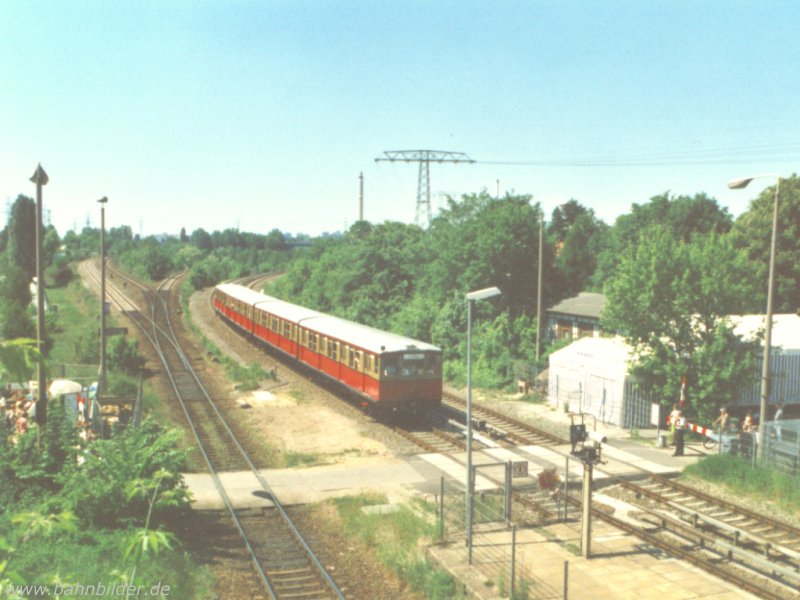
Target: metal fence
783, 445
505, 561
82, 373
782, 450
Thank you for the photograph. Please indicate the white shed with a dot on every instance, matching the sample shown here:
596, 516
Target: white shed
591, 376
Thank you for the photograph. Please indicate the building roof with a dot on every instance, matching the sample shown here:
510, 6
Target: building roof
607, 356
785, 329
585, 304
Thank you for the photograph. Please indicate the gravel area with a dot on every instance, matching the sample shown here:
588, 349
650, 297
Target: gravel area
293, 416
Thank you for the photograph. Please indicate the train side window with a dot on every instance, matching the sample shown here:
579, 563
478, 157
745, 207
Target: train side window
287, 329
312, 342
369, 364
323, 345
358, 360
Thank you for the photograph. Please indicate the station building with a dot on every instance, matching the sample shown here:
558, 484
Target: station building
591, 374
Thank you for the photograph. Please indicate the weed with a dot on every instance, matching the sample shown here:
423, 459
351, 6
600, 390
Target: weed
574, 548
741, 478
395, 538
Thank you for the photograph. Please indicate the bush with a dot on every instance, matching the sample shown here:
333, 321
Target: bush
96, 489
123, 355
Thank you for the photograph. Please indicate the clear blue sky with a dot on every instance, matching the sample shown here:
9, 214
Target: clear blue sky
261, 114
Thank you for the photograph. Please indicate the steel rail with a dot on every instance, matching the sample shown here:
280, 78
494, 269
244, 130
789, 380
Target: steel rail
274, 499
171, 338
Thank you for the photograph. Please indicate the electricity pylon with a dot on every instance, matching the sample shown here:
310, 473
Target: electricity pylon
424, 158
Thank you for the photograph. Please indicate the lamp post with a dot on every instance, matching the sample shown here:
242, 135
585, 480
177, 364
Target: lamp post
471, 298
738, 184
101, 376
40, 178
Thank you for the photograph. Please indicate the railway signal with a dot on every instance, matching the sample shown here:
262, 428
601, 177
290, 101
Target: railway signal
586, 445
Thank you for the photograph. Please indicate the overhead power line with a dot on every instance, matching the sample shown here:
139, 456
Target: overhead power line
781, 152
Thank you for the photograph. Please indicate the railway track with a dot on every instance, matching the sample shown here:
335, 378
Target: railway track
770, 576
286, 565
759, 553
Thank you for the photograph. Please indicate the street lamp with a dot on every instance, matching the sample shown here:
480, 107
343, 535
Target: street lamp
738, 184
471, 298
40, 178
101, 377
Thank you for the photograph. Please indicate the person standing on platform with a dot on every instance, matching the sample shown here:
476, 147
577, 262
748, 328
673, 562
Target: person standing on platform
680, 431
673, 417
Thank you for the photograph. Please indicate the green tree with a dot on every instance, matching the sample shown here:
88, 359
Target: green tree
18, 359
123, 355
669, 299
482, 241
753, 232
576, 256
158, 262
683, 216
202, 239
15, 320
22, 235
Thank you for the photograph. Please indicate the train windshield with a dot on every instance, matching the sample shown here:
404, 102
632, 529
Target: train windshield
412, 364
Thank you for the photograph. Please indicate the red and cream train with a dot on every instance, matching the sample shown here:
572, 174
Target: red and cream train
391, 374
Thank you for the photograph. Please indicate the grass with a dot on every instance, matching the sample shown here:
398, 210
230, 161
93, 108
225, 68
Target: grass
741, 478
300, 459
395, 539
76, 321
76, 349
245, 378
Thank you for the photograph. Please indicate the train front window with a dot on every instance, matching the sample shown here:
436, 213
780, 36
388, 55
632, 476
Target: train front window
411, 364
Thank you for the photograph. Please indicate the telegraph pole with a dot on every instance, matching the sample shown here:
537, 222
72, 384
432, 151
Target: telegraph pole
361, 196
40, 178
539, 289
424, 158
101, 376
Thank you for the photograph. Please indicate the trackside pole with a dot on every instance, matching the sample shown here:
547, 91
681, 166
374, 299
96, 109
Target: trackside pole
586, 508
441, 508
566, 487
513, 557
507, 495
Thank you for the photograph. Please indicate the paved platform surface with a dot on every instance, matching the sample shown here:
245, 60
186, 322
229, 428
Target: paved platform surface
621, 567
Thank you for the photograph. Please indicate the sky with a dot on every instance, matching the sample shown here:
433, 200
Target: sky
262, 114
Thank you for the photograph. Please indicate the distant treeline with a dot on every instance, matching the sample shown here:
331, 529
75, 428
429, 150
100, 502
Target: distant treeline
670, 269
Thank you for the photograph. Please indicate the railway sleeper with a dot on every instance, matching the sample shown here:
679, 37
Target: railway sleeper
730, 551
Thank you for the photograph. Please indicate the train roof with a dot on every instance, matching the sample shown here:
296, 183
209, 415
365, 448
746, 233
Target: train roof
363, 336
